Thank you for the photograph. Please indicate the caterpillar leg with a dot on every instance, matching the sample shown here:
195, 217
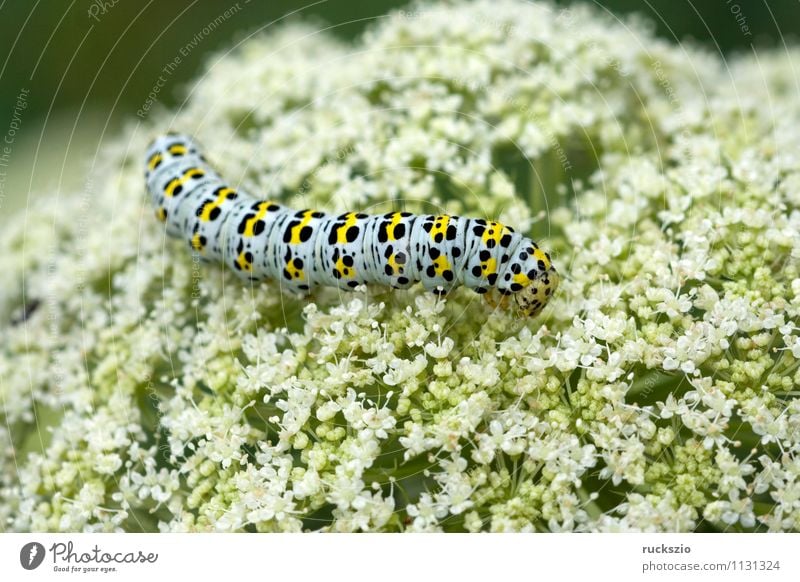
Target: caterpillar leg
495, 299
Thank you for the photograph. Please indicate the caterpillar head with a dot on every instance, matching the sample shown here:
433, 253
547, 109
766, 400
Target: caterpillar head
530, 278
532, 298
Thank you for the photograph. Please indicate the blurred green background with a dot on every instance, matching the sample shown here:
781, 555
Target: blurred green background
73, 70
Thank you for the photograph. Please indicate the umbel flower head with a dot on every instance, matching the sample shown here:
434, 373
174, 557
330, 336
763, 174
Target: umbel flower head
143, 391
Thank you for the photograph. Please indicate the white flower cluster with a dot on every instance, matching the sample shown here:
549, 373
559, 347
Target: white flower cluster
143, 391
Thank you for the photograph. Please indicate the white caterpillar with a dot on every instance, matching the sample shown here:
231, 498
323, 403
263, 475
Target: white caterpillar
306, 248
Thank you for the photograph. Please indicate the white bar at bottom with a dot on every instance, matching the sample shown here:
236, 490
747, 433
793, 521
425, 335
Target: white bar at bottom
399, 557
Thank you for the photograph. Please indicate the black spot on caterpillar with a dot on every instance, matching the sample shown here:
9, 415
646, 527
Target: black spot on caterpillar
304, 249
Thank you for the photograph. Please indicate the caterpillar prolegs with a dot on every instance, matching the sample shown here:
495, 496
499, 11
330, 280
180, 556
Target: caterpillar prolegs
304, 249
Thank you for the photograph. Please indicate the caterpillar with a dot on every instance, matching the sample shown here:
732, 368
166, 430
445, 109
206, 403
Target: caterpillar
304, 249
